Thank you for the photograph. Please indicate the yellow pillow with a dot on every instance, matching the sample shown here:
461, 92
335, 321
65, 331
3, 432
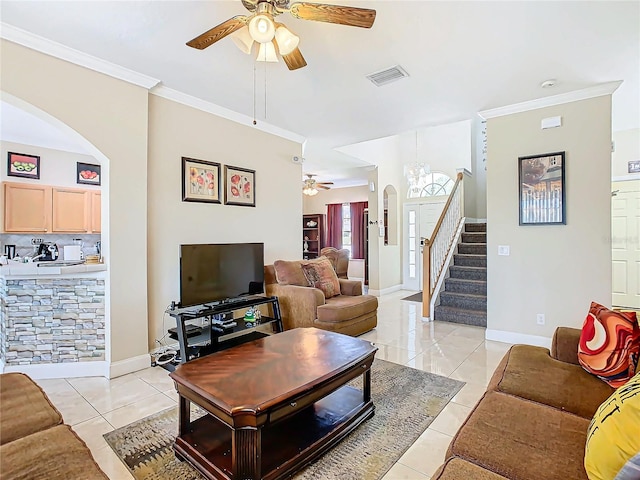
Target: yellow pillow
613, 438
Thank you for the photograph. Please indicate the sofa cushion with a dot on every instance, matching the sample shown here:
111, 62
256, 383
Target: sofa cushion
614, 433
24, 408
523, 440
610, 344
458, 469
530, 372
344, 307
290, 273
55, 453
320, 274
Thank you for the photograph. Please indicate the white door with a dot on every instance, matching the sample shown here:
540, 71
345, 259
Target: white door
419, 222
412, 258
625, 243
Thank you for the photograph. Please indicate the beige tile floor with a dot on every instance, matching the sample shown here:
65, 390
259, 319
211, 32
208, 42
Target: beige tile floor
94, 406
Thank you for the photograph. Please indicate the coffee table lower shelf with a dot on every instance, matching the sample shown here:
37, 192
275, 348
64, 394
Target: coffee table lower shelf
287, 445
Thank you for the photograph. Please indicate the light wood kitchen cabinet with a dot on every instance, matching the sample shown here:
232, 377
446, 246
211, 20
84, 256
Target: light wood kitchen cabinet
71, 209
96, 212
27, 208
45, 209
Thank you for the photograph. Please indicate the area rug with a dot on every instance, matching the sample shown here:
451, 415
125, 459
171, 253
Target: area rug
406, 401
416, 297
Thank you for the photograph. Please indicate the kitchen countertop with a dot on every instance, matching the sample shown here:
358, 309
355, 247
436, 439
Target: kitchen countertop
33, 269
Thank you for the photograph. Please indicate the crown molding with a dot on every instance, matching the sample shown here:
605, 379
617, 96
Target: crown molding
54, 49
583, 94
205, 106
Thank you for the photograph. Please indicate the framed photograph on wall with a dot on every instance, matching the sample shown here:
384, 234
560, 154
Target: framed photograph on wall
239, 186
200, 181
87, 173
541, 189
23, 165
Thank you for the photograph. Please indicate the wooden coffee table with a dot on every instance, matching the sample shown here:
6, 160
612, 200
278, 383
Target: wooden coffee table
274, 404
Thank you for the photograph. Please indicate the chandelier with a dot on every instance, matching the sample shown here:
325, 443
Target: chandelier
417, 173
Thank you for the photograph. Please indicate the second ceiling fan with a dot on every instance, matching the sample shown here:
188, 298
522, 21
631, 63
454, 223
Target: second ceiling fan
273, 37
310, 186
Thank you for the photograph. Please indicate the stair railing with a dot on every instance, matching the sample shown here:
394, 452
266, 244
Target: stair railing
436, 248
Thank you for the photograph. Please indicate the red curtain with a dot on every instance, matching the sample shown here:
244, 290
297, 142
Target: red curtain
357, 229
334, 225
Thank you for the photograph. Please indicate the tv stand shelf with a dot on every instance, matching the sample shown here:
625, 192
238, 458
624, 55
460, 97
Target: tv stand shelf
214, 338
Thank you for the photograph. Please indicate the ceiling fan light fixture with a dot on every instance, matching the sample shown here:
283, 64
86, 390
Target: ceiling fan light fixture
243, 40
287, 41
267, 53
261, 28
310, 191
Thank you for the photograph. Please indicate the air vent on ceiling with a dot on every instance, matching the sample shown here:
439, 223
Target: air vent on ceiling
387, 75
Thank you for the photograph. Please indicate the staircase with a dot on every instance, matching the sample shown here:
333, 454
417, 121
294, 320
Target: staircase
464, 296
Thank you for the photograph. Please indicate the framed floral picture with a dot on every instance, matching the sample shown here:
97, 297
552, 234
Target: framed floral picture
239, 186
200, 181
23, 165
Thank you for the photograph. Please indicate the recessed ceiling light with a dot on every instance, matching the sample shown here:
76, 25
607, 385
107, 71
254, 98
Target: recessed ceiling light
549, 83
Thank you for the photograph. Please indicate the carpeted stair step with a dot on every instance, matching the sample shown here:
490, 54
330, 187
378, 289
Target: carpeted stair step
472, 248
470, 273
457, 315
474, 237
462, 285
467, 260
475, 227
464, 301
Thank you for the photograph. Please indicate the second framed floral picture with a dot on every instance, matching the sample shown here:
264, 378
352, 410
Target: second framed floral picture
200, 181
239, 186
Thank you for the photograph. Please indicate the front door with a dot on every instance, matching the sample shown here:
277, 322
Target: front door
625, 243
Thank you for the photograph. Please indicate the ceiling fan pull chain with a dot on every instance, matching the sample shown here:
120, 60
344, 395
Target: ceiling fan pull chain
254, 94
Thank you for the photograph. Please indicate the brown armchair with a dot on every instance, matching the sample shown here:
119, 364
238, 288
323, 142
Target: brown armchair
350, 312
338, 258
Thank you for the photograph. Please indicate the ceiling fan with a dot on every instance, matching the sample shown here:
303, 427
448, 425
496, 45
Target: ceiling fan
310, 186
273, 36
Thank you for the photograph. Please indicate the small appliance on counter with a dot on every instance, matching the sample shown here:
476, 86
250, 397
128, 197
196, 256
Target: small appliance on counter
49, 252
72, 252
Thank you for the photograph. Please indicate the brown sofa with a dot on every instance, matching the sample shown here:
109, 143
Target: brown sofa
532, 421
34, 443
351, 312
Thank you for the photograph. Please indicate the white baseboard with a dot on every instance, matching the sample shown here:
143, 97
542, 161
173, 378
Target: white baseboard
513, 337
475, 220
129, 365
61, 370
384, 291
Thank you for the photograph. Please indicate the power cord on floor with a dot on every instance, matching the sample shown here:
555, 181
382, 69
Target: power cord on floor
165, 354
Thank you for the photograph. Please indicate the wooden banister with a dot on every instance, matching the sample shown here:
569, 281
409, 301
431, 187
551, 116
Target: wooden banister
429, 279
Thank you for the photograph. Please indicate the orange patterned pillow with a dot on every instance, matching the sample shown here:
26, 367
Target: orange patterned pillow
609, 344
321, 274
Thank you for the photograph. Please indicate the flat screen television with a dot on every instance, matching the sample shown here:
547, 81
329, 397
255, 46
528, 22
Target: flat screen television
211, 273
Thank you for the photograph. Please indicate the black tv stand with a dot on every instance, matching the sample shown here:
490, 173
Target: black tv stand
213, 338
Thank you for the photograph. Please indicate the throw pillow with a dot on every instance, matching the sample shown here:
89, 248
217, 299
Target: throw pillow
613, 439
609, 344
320, 274
290, 273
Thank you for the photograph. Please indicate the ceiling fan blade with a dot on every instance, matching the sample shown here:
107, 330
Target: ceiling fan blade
325, 183
323, 187
355, 17
216, 33
295, 60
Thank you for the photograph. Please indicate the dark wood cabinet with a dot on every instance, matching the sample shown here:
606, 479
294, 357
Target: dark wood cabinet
313, 235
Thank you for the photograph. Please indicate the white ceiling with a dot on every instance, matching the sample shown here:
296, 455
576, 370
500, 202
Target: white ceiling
462, 57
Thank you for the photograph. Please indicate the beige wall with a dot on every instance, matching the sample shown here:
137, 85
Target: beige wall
112, 116
275, 221
557, 269
627, 143
318, 203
